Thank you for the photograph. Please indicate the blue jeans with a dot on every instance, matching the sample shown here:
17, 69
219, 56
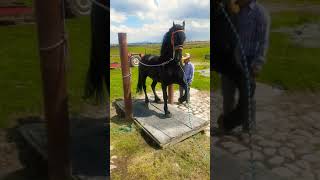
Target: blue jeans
181, 89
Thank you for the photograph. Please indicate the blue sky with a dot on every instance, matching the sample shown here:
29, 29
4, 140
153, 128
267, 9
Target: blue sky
149, 20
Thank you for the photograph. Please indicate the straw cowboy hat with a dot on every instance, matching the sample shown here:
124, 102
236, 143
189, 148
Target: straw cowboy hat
187, 56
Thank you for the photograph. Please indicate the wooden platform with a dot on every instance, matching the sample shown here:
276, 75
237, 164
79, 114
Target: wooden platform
89, 146
164, 131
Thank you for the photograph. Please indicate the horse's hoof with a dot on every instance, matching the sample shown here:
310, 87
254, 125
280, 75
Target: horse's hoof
157, 100
168, 115
181, 100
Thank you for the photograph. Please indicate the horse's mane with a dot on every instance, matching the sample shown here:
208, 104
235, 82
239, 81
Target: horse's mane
166, 45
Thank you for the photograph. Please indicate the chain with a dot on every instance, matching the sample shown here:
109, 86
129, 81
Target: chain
244, 60
205, 155
156, 65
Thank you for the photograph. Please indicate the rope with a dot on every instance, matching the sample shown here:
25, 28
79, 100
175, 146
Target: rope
126, 76
53, 46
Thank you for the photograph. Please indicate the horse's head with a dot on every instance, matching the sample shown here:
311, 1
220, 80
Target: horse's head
177, 38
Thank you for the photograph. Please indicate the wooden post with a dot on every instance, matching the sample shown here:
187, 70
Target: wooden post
126, 76
170, 94
50, 26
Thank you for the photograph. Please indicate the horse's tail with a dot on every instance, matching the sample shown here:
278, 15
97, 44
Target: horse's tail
98, 75
140, 80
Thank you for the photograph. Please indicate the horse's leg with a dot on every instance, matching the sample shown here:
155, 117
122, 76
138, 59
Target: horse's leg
146, 99
153, 86
165, 99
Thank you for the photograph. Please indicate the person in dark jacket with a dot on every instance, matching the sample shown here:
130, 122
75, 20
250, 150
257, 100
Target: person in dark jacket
252, 24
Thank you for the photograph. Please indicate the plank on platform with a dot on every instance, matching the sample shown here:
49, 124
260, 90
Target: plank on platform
164, 131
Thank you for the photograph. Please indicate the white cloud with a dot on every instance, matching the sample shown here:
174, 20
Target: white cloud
156, 18
117, 17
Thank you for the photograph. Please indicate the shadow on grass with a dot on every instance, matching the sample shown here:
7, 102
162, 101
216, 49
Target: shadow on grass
122, 122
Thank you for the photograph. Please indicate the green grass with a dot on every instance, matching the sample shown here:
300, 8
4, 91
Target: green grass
197, 50
292, 18
28, 3
20, 82
139, 160
289, 65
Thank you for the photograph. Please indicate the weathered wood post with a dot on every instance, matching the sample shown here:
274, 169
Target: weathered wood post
126, 76
170, 94
50, 26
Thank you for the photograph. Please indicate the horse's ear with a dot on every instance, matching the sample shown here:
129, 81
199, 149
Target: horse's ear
183, 23
173, 23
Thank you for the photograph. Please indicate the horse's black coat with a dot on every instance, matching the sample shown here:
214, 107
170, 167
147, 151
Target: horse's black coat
224, 44
167, 74
98, 75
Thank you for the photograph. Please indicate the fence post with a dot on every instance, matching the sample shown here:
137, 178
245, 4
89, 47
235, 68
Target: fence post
50, 27
170, 94
126, 76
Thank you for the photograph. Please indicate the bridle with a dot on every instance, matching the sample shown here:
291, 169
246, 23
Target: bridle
174, 48
172, 40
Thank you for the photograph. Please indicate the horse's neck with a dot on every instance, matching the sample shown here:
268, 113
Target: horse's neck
166, 51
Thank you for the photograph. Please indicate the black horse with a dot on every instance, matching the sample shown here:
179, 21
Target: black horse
166, 68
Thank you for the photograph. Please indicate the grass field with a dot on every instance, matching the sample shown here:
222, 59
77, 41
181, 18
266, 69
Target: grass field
289, 65
138, 158
20, 82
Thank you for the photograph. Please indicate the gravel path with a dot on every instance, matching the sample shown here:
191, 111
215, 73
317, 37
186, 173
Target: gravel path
287, 140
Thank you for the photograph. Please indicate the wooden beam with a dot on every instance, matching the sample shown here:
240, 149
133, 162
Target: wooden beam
126, 76
50, 26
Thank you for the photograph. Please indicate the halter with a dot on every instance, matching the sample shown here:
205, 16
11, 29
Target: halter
180, 46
